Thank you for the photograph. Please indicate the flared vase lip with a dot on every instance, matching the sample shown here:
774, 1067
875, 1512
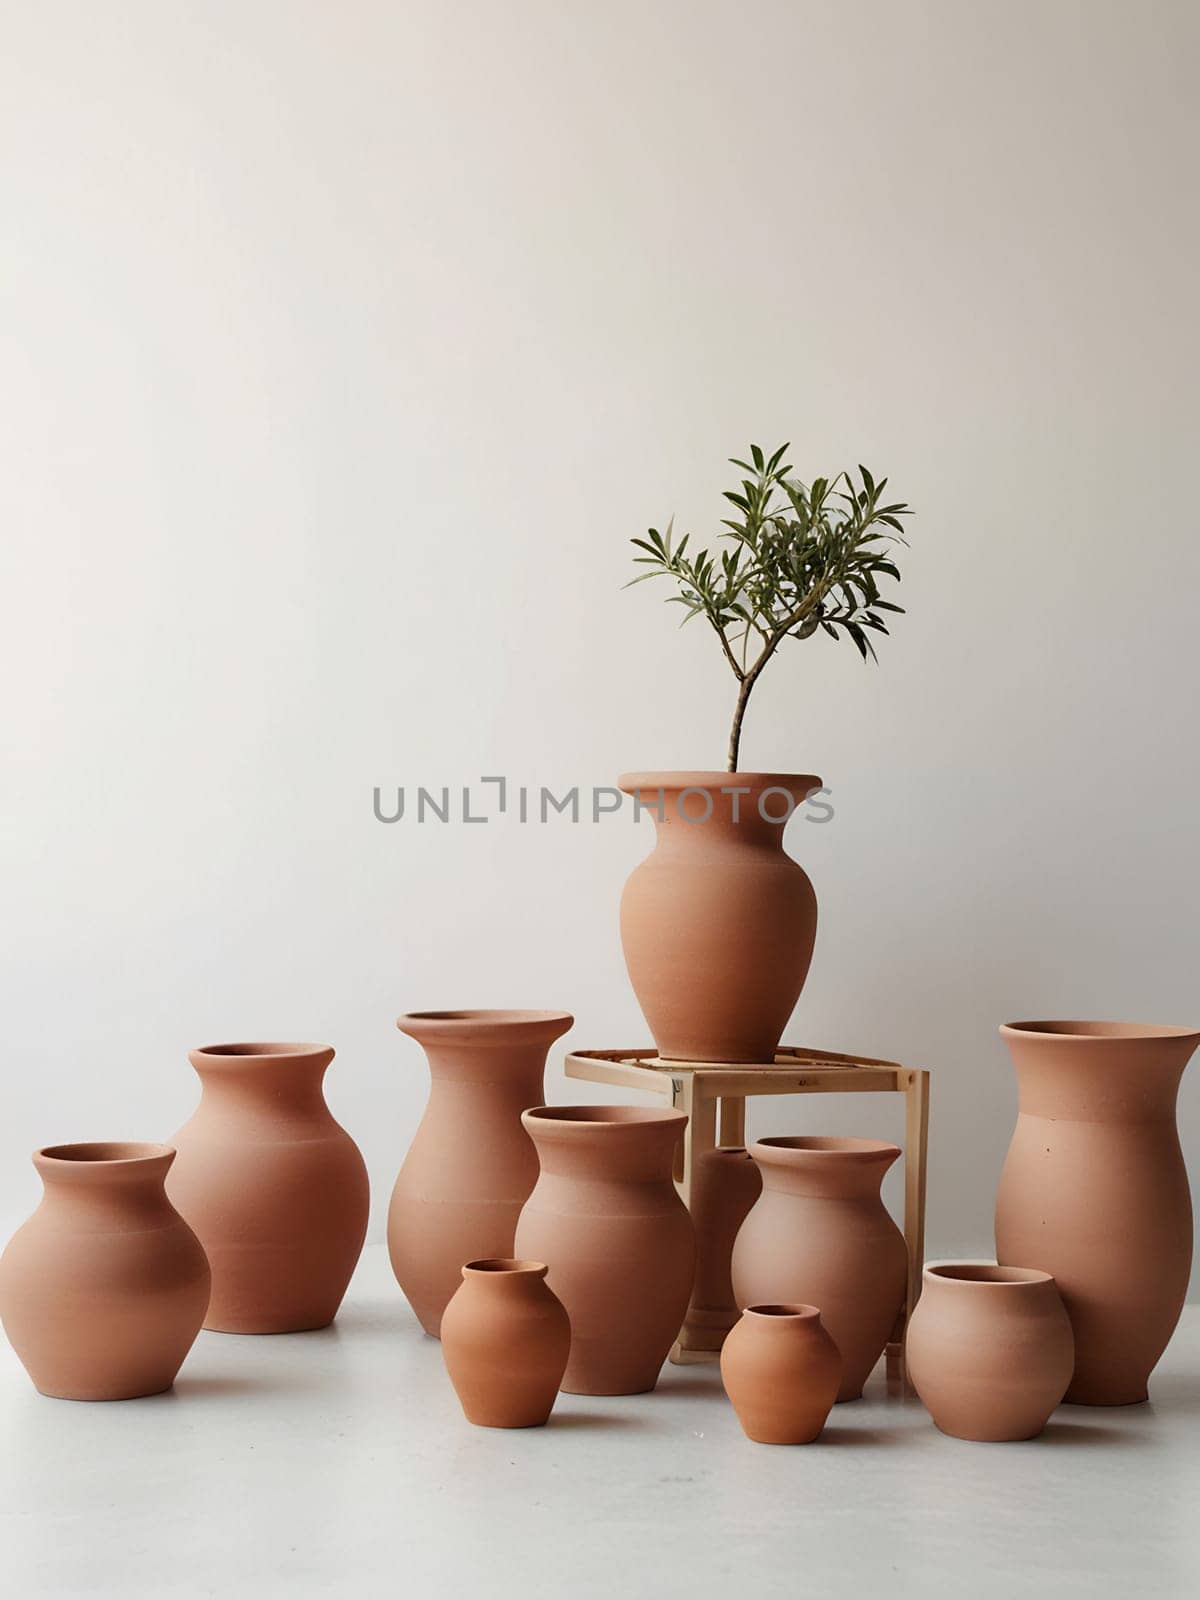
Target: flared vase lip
1111, 1032
504, 1267
256, 1052
793, 782
986, 1274
466, 1024
784, 1311
101, 1155
865, 1150
609, 1121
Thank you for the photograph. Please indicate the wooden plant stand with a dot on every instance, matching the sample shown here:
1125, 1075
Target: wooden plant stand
714, 1097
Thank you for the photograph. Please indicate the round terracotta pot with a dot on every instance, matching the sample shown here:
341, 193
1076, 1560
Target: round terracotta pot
505, 1340
781, 1371
103, 1290
605, 1215
718, 923
725, 1184
1094, 1191
275, 1189
820, 1236
470, 1167
989, 1350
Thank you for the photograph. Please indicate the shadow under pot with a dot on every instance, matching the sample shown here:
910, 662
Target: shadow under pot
782, 1372
606, 1217
275, 1189
470, 1167
505, 1341
989, 1350
820, 1235
104, 1289
1094, 1191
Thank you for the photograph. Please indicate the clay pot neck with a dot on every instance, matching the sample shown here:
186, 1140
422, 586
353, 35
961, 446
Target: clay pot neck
626, 1144
782, 1321
505, 1277
487, 1046
827, 1169
713, 810
284, 1078
992, 1288
1099, 1071
105, 1183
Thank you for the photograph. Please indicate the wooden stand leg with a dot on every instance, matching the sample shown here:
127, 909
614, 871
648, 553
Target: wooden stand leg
699, 1136
916, 1145
731, 1120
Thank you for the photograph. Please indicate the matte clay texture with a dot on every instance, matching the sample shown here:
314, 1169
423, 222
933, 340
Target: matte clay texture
989, 1350
274, 1187
718, 923
782, 1372
725, 1184
1094, 1191
104, 1289
606, 1217
505, 1342
470, 1168
820, 1235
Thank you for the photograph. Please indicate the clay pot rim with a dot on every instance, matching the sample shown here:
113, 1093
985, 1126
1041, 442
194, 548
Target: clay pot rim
784, 1311
108, 1154
633, 782
828, 1145
243, 1053
609, 1119
987, 1275
471, 1022
1096, 1032
494, 1267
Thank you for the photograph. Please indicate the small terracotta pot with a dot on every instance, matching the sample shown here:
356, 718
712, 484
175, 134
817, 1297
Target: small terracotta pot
103, 1290
1094, 1191
820, 1236
989, 1350
275, 1189
505, 1341
470, 1167
605, 1215
782, 1371
725, 1184
718, 923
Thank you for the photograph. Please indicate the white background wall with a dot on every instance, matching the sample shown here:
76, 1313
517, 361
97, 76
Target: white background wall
345, 345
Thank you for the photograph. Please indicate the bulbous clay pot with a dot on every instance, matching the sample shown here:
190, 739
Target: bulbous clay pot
1095, 1192
470, 1167
718, 923
782, 1371
505, 1340
605, 1215
820, 1236
989, 1350
275, 1189
104, 1289
725, 1184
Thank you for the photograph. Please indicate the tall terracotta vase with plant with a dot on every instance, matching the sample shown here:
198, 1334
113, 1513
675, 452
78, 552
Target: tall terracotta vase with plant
718, 923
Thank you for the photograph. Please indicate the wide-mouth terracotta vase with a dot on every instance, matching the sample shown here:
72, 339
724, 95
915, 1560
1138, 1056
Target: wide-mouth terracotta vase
820, 1235
275, 1188
606, 1217
505, 1342
470, 1167
104, 1289
1094, 1190
782, 1372
989, 1350
718, 922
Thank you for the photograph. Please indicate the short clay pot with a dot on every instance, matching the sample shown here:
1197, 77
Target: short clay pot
605, 1215
505, 1341
275, 1189
820, 1235
989, 1350
725, 1184
470, 1167
782, 1371
718, 922
104, 1289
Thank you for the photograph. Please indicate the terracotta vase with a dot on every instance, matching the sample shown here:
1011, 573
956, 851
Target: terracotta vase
725, 1184
820, 1236
1095, 1192
718, 923
275, 1189
103, 1290
505, 1340
605, 1215
470, 1167
781, 1371
989, 1350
